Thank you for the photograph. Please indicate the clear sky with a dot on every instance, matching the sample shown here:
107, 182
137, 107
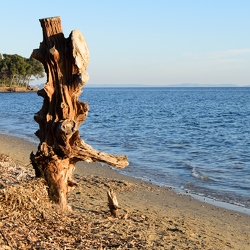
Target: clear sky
143, 42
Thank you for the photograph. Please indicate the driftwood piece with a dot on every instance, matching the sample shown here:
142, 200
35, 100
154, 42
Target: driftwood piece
113, 203
65, 61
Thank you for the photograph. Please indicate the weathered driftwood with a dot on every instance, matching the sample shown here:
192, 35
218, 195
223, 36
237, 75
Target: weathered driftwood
113, 203
65, 61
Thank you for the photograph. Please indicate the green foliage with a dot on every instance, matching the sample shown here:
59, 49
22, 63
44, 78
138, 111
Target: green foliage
17, 70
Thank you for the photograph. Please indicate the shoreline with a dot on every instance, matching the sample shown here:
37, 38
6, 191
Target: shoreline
214, 227
17, 90
106, 171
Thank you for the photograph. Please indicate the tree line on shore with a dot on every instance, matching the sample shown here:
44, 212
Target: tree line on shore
18, 71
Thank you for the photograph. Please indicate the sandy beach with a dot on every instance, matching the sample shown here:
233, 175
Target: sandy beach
151, 217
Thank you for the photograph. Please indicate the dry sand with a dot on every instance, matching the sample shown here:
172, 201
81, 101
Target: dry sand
151, 217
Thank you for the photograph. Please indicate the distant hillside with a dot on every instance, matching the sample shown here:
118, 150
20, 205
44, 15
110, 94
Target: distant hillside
181, 85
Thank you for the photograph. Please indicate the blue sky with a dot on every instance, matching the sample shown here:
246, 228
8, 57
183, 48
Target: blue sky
143, 42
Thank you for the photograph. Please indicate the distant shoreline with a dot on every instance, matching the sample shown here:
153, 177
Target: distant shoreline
17, 89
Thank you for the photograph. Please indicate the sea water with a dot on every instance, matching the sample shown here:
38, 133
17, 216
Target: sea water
192, 139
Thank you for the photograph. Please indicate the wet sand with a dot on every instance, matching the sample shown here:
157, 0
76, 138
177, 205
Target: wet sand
159, 217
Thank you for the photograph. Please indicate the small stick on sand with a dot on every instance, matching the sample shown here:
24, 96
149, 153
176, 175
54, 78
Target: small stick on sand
113, 203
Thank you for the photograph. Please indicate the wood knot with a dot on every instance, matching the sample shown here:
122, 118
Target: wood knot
66, 127
54, 52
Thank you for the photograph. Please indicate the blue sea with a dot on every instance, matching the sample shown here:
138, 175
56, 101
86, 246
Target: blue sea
195, 140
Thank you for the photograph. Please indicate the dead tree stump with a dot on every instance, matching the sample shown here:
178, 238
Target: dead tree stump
65, 61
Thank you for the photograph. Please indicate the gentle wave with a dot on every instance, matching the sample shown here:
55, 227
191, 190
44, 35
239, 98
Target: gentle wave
197, 174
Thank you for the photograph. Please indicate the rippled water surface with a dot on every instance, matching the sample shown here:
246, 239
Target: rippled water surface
196, 139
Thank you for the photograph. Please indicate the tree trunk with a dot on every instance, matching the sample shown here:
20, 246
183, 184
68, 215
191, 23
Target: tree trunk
65, 61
